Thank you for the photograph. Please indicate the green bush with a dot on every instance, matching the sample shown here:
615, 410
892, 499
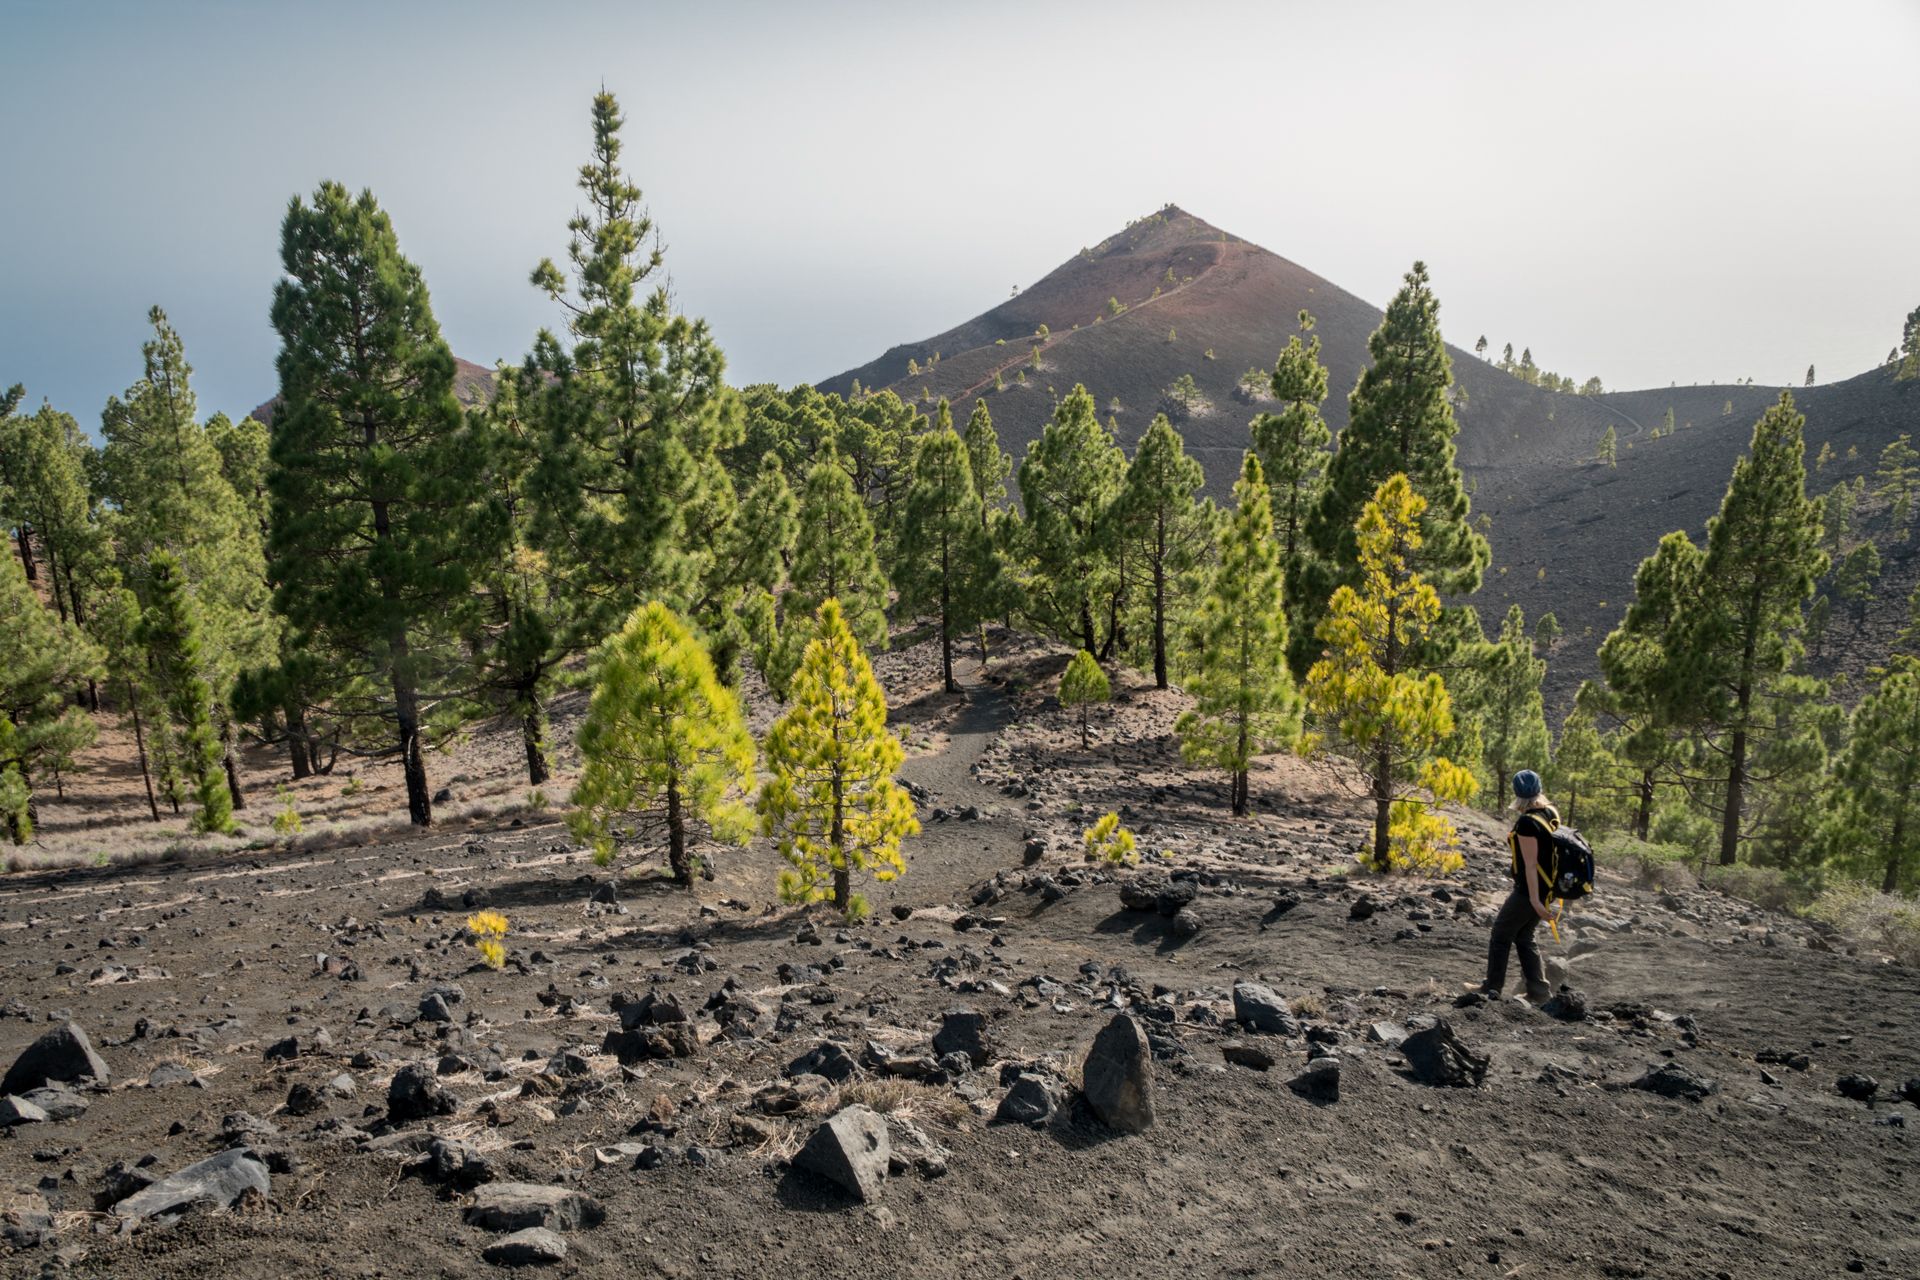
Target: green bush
1768, 887
1651, 864
1887, 921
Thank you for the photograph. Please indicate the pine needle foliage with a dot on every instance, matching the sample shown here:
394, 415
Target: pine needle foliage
1244, 700
831, 800
1365, 694
663, 739
1082, 684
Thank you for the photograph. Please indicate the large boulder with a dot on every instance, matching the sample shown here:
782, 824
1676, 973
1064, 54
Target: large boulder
1118, 1076
218, 1182
1260, 1008
62, 1056
851, 1149
516, 1206
1437, 1056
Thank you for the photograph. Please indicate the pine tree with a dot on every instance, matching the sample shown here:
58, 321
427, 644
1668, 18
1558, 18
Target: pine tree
1636, 661
1399, 423
766, 525
1082, 684
834, 557
1367, 694
991, 464
831, 800
627, 401
1873, 807
943, 558
1582, 769
1166, 526
1910, 347
116, 628
380, 511
1501, 692
163, 477
1762, 560
170, 632
1244, 699
1896, 479
662, 737
242, 447
1292, 446
1809, 375
1855, 578
1480, 347
999, 527
1547, 633
42, 661
1608, 450
1068, 483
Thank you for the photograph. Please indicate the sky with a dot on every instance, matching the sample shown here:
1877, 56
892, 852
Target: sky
1650, 193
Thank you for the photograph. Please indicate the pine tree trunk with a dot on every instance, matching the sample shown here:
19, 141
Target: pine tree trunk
298, 747
1382, 807
1160, 601
1083, 727
946, 616
407, 713
1891, 881
1643, 820
24, 535
677, 837
231, 764
836, 837
140, 744
1736, 788
533, 733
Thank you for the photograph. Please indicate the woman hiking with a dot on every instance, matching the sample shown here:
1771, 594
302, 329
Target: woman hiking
1534, 824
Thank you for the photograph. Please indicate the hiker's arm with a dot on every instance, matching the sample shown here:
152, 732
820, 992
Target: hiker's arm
1530, 860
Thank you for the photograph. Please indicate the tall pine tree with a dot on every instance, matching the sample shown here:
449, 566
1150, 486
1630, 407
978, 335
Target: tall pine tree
1501, 692
943, 561
1636, 661
43, 662
1399, 422
1166, 525
1762, 560
170, 632
1292, 447
1244, 700
381, 515
1068, 483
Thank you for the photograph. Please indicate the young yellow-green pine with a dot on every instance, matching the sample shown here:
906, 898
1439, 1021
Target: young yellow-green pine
1082, 684
662, 738
1244, 699
1366, 695
831, 800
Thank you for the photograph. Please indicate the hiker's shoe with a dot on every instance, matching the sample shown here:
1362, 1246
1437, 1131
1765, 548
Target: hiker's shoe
1538, 993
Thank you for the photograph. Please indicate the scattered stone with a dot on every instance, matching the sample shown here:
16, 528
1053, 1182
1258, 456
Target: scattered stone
172, 1073
828, 1060
218, 1182
433, 1008
1035, 1098
534, 1246
1911, 1091
1320, 1082
298, 1046
303, 1100
1389, 1034
1566, 1004
515, 1206
1672, 1080
453, 1163
1437, 1056
851, 1149
18, 1111
1259, 1008
414, 1094
1141, 892
62, 1056
1175, 897
1247, 1055
1363, 908
1860, 1088
964, 1031
1118, 1076
1187, 923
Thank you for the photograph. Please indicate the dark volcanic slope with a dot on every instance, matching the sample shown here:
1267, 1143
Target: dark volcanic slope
1527, 451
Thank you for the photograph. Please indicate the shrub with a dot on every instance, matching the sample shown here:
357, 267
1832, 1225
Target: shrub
488, 928
287, 821
1651, 864
1888, 921
1767, 887
1108, 841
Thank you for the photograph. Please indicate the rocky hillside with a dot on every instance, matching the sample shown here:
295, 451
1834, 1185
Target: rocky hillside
1567, 532
1023, 1064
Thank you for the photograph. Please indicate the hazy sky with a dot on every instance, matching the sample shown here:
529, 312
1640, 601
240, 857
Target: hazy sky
1650, 193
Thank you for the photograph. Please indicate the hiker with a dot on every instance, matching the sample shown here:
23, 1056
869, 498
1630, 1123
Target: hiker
1521, 914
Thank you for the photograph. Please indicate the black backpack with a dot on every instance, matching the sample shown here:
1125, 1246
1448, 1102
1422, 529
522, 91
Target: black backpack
1566, 861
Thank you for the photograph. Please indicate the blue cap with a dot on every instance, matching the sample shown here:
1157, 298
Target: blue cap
1526, 784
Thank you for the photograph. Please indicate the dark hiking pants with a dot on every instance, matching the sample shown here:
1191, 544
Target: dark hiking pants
1513, 929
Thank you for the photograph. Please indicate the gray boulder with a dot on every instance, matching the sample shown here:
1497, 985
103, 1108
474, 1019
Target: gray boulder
15, 1111
57, 1103
1035, 1098
963, 1031
535, 1246
62, 1056
851, 1149
1671, 1080
1260, 1008
414, 1094
516, 1206
1118, 1076
217, 1182
1320, 1082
